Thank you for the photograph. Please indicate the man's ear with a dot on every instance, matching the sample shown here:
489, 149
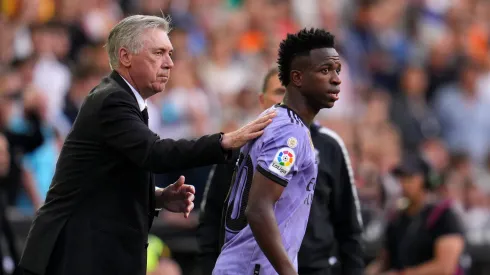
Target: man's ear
296, 78
125, 57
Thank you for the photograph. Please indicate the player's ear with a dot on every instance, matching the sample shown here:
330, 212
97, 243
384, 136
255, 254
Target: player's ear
296, 78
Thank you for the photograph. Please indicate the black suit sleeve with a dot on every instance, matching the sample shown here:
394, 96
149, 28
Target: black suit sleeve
346, 217
208, 232
122, 129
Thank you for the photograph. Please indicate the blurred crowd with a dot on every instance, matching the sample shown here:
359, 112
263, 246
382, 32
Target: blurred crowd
415, 77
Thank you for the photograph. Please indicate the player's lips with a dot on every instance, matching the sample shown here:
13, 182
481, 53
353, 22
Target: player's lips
334, 94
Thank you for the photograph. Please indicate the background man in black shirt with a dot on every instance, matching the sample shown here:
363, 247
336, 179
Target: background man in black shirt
425, 237
334, 216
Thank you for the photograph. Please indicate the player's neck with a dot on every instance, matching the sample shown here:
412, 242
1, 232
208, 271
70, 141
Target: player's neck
298, 104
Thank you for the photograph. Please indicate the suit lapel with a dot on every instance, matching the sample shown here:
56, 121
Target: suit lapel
118, 78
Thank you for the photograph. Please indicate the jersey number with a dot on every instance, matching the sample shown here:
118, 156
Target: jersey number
241, 189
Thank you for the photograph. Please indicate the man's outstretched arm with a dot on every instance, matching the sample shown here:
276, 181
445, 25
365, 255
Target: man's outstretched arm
264, 193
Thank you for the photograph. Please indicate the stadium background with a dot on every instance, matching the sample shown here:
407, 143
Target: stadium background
416, 76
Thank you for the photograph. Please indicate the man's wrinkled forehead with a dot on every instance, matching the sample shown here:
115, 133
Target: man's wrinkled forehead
157, 38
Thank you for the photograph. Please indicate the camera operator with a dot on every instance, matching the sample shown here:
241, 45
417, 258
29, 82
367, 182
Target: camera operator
425, 237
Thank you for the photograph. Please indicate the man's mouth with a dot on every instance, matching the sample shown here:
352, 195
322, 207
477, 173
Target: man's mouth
334, 94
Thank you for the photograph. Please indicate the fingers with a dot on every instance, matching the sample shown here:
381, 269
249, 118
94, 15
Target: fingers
189, 197
188, 210
262, 122
255, 135
260, 126
189, 204
180, 181
265, 117
189, 188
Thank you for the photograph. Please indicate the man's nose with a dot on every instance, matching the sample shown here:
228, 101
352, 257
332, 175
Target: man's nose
168, 63
336, 79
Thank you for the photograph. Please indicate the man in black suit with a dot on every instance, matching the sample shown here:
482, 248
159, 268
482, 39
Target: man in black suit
102, 199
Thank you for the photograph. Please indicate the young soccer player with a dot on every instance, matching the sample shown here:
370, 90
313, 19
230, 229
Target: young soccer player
268, 206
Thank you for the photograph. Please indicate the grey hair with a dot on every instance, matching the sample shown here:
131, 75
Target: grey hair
127, 33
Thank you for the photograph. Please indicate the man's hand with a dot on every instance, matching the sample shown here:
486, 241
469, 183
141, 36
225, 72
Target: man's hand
177, 197
252, 130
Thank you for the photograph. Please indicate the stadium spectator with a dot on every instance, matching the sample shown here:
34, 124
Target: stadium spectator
425, 236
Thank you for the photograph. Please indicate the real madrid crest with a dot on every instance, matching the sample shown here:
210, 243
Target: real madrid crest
292, 142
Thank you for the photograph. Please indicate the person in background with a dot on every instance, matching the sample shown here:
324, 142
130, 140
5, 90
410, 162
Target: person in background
6, 231
24, 135
425, 237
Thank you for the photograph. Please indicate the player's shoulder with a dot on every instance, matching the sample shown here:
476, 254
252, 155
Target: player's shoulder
286, 126
286, 120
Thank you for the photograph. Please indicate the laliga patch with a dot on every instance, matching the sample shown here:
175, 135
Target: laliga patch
283, 161
292, 142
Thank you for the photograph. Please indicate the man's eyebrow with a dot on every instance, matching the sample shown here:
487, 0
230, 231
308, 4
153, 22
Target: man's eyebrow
331, 61
162, 49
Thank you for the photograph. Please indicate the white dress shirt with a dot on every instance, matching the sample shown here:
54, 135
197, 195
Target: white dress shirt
139, 98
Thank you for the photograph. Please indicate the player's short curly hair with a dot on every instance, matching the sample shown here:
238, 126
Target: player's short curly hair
300, 44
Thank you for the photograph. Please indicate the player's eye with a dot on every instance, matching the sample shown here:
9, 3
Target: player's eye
325, 71
159, 53
338, 70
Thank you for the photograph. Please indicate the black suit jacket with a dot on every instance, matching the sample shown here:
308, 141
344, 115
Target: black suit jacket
100, 205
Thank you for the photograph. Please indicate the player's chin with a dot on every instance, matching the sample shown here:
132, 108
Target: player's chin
328, 103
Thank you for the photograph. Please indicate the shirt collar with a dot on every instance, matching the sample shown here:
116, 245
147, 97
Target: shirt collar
141, 101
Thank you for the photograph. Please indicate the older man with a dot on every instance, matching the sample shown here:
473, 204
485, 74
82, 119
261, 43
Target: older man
102, 199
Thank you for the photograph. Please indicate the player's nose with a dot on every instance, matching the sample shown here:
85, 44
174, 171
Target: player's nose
335, 80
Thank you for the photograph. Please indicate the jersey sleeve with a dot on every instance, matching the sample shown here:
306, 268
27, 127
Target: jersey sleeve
281, 153
448, 224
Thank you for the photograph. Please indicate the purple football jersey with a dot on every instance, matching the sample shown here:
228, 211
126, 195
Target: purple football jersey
284, 154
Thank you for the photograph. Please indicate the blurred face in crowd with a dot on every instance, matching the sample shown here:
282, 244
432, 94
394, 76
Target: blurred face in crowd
4, 156
42, 41
319, 82
453, 187
412, 185
414, 82
150, 68
273, 93
6, 107
469, 76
